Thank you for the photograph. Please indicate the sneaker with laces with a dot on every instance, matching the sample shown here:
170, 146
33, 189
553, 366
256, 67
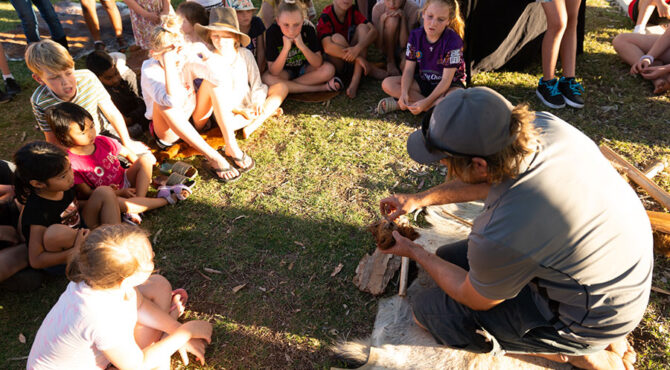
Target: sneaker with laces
549, 94
572, 92
13, 88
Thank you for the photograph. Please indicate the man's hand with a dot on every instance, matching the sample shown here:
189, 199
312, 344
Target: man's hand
396, 205
403, 247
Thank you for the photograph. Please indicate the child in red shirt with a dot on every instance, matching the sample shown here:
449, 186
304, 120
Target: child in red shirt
346, 35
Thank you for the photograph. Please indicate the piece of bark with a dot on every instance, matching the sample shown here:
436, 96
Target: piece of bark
382, 231
635, 175
375, 271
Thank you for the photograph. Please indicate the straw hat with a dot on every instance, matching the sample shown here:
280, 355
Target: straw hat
222, 19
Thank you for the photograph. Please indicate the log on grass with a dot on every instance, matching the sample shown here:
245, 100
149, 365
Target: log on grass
375, 271
637, 177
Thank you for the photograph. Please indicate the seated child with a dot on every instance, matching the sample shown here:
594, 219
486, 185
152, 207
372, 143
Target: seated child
393, 20
53, 69
249, 101
95, 163
52, 221
172, 99
122, 88
434, 64
643, 12
294, 53
190, 14
345, 35
115, 313
269, 7
254, 28
648, 56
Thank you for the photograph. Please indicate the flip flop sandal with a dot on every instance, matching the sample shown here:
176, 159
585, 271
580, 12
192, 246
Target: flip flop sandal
215, 172
332, 82
241, 170
131, 218
166, 192
184, 297
387, 105
179, 167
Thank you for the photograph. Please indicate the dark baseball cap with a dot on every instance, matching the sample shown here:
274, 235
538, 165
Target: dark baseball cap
470, 122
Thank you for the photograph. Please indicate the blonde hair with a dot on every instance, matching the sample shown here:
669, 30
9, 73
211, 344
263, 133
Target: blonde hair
47, 56
456, 22
110, 254
168, 33
506, 163
291, 6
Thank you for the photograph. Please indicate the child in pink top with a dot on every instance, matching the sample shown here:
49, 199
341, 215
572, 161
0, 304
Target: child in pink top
95, 163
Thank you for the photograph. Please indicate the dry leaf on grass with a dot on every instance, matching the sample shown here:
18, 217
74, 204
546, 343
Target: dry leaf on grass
239, 287
205, 276
299, 243
290, 266
22, 338
212, 271
337, 270
239, 217
156, 236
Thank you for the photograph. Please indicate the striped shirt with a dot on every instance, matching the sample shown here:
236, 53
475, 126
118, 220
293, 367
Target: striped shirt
90, 93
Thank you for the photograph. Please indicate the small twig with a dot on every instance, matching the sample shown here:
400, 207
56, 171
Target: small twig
205, 276
659, 290
459, 219
17, 358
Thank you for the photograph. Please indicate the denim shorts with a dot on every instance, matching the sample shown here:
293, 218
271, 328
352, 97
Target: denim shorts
515, 325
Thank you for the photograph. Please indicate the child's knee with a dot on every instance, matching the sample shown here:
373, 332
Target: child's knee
391, 25
58, 237
147, 159
389, 84
103, 193
328, 69
339, 40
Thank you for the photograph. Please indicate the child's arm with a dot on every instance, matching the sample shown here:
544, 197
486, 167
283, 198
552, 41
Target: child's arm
260, 51
278, 65
441, 89
403, 34
406, 81
657, 49
368, 38
83, 191
166, 8
38, 256
313, 58
137, 8
116, 119
130, 155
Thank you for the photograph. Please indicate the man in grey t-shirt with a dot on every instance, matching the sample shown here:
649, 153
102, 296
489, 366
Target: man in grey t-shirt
559, 263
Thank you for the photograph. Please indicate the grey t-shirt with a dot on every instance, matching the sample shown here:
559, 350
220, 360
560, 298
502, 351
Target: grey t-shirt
571, 227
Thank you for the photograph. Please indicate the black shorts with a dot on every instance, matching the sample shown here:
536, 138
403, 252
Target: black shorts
515, 325
427, 88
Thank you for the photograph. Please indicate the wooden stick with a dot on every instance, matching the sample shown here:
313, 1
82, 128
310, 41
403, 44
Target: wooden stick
638, 177
654, 169
404, 271
659, 221
659, 290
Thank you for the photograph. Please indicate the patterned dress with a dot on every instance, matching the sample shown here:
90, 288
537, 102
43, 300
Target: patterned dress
142, 27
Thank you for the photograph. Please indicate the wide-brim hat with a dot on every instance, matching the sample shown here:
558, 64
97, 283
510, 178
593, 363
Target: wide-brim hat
222, 19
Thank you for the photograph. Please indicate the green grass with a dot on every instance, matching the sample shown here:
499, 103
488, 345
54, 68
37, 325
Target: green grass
321, 170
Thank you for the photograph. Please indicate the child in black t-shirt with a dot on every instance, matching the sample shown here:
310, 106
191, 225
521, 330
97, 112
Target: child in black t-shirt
123, 89
254, 28
294, 55
51, 222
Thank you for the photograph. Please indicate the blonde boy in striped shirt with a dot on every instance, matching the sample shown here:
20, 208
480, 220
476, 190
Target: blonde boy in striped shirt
53, 69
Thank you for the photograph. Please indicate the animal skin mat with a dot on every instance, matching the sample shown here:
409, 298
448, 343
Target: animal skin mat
72, 20
398, 343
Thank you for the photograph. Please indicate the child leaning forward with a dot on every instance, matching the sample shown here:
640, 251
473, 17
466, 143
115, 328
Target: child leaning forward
294, 53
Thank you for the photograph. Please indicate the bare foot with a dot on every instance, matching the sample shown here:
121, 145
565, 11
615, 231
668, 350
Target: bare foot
661, 85
360, 68
377, 73
392, 69
278, 113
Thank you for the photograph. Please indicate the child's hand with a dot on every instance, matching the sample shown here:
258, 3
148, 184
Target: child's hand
403, 101
258, 109
80, 238
298, 42
196, 347
126, 193
351, 53
418, 107
199, 330
287, 42
639, 66
654, 72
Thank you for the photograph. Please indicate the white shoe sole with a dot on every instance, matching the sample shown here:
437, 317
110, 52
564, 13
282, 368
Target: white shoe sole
573, 104
539, 95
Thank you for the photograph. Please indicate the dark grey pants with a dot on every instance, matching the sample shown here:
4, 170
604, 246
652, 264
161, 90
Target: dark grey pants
516, 324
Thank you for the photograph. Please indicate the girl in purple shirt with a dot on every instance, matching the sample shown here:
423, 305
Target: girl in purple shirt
434, 63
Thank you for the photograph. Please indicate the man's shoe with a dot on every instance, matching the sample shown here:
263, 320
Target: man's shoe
548, 93
4, 97
572, 92
12, 87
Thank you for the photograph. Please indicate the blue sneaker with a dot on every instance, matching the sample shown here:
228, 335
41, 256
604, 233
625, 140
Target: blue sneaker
549, 94
572, 91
